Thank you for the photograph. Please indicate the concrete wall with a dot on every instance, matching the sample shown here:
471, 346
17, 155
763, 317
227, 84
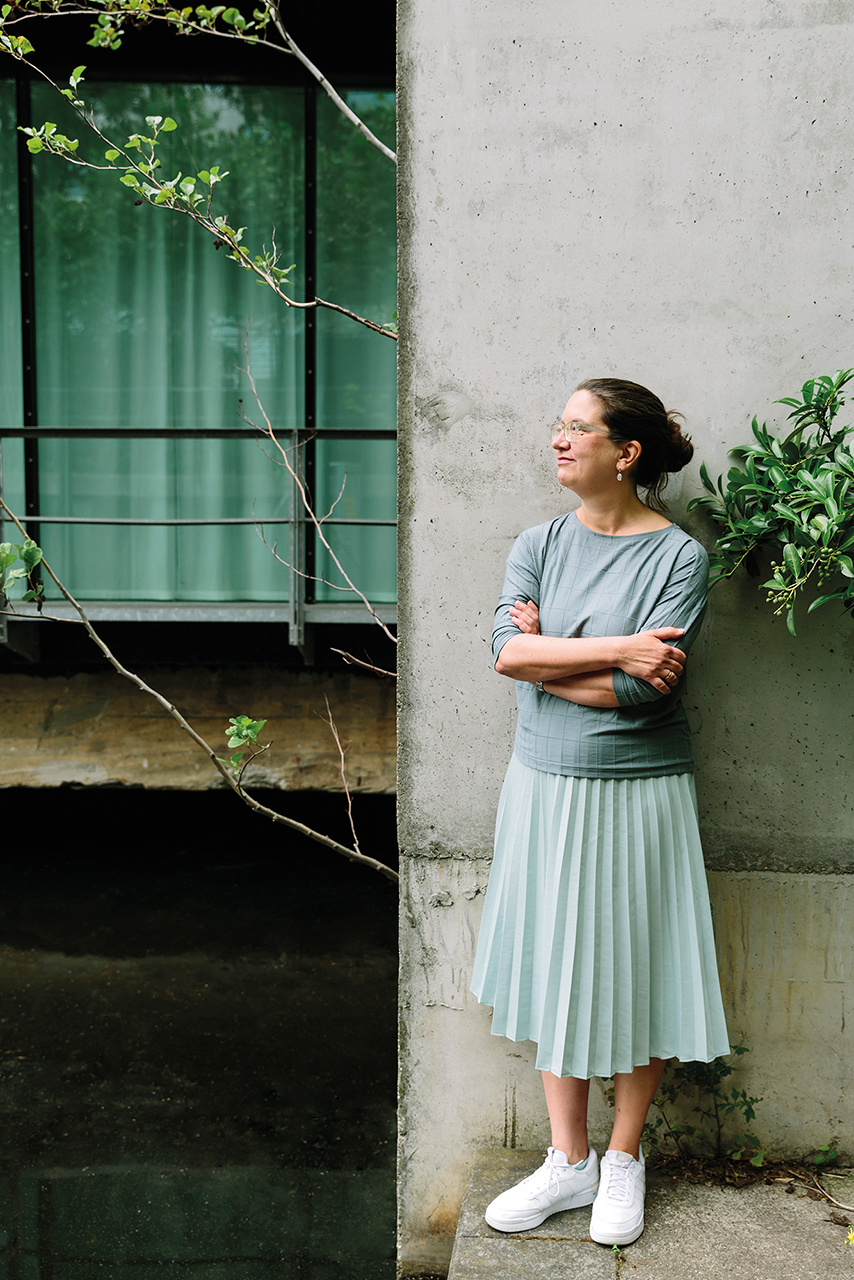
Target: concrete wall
660, 193
95, 728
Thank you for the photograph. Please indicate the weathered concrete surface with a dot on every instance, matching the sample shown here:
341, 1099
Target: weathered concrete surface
786, 958
691, 1233
659, 195
97, 729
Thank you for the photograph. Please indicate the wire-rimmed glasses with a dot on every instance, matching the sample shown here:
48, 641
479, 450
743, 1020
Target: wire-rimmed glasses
574, 430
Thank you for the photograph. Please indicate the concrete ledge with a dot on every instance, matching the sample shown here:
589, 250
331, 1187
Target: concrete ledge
692, 1233
96, 729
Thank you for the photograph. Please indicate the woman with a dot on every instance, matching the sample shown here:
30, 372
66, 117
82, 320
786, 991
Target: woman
596, 939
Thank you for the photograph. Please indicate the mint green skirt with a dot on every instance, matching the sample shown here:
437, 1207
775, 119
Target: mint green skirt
596, 940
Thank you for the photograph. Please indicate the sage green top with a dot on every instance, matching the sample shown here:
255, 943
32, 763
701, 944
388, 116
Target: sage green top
596, 584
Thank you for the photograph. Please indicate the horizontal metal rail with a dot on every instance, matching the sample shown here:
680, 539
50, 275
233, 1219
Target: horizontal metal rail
191, 520
186, 433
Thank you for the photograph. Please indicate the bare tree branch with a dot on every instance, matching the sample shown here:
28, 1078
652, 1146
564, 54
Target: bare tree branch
324, 83
228, 776
270, 434
181, 197
343, 772
181, 20
368, 666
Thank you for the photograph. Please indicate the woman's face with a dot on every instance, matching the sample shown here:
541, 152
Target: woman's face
586, 455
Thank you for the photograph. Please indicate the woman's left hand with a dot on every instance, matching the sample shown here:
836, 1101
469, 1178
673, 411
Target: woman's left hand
526, 617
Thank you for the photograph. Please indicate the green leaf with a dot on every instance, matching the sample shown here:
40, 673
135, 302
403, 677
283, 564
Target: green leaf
793, 559
790, 620
112, 154
845, 566
815, 604
129, 179
30, 553
168, 125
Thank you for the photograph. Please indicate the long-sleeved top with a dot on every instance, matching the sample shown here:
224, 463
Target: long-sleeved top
596, 584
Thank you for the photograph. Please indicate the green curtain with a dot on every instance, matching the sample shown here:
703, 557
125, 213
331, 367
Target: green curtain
356, 266
142, 323
11, 393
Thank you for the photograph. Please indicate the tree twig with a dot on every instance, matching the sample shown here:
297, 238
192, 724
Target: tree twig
353, 854
324, 83
343, 773
270, 433
368, 666
264, 268
188, 26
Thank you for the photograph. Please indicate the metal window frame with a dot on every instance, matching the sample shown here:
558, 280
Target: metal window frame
301, 609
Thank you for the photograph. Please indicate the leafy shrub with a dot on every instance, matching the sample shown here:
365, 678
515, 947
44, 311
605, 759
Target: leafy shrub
792, 495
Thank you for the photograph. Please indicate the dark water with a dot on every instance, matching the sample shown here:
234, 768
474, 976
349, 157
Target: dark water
198, 1049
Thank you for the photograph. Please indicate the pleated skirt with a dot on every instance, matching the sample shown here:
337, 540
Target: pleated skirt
596, 940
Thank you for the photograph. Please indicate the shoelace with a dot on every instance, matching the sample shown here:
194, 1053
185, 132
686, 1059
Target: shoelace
620, 1179
552, 1181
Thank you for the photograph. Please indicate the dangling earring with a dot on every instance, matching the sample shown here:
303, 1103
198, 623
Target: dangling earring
619, 473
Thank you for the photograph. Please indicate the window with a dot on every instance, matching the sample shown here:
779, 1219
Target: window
125, 403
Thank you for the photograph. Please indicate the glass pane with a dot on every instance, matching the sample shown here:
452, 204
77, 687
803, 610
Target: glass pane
143, 324
356, 243
362, 472
11, 395
12, 485
197, 479
356, 265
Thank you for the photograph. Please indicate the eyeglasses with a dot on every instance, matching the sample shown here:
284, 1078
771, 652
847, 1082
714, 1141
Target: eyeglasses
575, 430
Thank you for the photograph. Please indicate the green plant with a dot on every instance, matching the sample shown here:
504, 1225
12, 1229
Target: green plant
825, 1154
242, 732
793, 495
30, 555
702, 1083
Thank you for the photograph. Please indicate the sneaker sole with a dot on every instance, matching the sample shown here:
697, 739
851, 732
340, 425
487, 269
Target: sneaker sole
535, 1220
627, 1235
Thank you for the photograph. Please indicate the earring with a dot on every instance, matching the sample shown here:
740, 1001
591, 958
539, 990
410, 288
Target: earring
619, 473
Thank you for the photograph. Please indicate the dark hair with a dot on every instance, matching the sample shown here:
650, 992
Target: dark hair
630, 412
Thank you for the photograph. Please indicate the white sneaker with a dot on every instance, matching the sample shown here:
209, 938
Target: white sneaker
556, 1185
617, 1216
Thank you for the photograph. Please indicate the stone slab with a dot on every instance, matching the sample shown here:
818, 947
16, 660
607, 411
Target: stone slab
560, 1246
702, 1233
692, 1233
542, 1258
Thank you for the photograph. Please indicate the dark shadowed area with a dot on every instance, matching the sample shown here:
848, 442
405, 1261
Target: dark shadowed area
198, 1060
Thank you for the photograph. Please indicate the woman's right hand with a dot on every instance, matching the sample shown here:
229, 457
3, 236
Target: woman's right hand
648, 656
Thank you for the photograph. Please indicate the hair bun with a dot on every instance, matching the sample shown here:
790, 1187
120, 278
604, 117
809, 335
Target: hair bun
681, 449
